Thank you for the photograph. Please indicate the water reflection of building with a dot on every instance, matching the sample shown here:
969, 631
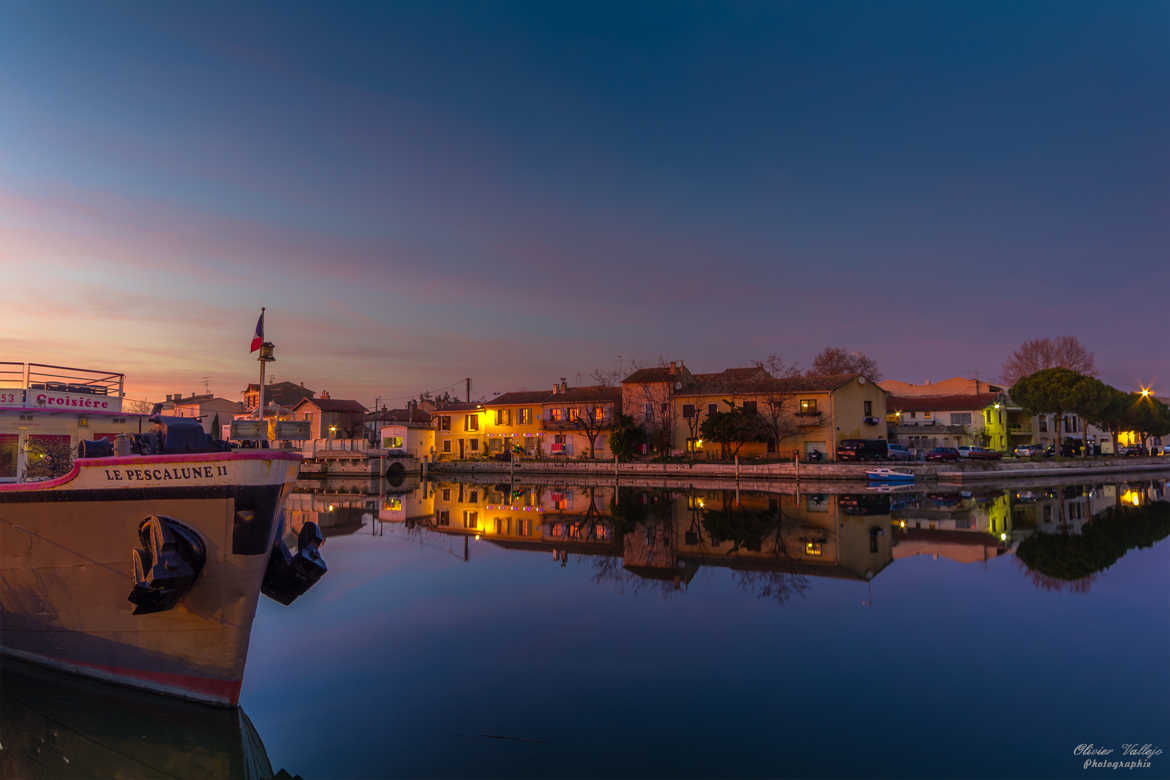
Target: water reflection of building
664, 535
767, 538
336, 511
964, 527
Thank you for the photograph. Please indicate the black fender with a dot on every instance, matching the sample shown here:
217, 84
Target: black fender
288, 576
165, 567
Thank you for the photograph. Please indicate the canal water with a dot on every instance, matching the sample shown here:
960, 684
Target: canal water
586, 630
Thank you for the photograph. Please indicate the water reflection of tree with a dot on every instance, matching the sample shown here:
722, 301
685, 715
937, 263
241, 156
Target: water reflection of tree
1055, 558
756, 530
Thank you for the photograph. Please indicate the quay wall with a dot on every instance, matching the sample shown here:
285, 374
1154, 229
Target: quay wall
825, 472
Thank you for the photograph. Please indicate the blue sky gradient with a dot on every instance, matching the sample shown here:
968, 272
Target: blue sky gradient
422, 192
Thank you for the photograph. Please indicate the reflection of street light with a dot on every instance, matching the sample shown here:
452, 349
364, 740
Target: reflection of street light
332, 431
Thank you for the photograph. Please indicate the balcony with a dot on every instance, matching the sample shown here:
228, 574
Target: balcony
1025, 428
809, 418
573, 425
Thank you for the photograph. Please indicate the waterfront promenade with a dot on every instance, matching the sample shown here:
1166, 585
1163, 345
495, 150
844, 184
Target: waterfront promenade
925, 472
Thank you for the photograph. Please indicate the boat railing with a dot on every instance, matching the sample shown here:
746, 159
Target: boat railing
61, 379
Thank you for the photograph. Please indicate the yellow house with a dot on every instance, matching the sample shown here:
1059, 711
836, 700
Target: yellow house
804, 413
459, 431
513, 420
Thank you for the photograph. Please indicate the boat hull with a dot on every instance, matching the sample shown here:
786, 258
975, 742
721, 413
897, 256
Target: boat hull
65, 568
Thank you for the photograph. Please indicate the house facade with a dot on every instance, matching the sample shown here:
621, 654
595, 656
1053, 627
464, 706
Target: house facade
212, 412
331, 418
286, 394
459, 431
513, 423
572, 416
804, 413
409, 430
985, 419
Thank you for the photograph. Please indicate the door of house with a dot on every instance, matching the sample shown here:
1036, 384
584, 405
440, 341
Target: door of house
461, 446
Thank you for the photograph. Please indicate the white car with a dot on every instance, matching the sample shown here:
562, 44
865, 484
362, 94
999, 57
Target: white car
965, 452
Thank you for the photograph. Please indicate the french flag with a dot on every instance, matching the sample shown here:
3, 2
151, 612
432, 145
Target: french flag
258, 338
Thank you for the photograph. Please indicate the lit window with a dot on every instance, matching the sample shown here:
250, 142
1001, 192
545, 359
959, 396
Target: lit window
808, 406
557, 414
599, 413
814, 549
525, 416
574, 413
470, 519
471, 422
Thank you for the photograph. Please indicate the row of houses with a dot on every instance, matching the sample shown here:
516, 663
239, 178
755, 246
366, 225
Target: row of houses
963, 412
800, 414
669, 403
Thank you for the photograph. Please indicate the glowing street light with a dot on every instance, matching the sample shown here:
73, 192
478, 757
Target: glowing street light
1146, 392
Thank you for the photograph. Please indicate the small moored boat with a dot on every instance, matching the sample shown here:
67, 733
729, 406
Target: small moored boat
889, 475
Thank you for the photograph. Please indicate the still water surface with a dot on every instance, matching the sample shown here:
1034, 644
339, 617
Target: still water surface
484, 629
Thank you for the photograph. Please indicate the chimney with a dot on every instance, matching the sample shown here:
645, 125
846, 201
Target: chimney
673, 367
564, 386
556, 387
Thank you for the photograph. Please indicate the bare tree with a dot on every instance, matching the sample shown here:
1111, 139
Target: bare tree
591, 423
1039, 354
778, 367
694, 423
835, 360
778, 414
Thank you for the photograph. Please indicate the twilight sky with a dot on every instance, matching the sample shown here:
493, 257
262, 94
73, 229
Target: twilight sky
522, 191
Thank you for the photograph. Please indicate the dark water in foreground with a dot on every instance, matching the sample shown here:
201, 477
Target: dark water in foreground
555, 631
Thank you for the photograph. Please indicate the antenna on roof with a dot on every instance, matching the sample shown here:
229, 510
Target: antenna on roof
207, 385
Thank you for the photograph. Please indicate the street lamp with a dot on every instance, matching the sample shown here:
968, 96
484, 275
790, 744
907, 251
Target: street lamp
1146, 392
332, 431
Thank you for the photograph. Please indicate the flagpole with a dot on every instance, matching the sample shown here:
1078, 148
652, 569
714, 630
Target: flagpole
260, 408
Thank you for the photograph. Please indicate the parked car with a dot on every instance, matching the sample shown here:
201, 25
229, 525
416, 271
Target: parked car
1130, 451
862, 449
1029, 450
964, 451
943, 453
983, 453
1162, 450
898, 452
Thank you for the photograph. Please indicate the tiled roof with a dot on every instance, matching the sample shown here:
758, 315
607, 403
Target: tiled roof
655, 374
520, 397
457, 406
333, 405
400, 415
585, 394
757, 380
941, 403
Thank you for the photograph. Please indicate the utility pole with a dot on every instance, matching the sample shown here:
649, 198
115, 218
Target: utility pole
468, 381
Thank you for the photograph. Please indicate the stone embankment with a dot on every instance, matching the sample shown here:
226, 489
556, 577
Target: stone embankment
924, 472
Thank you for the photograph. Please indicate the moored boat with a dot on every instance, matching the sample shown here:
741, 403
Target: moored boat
142, 567
889, 475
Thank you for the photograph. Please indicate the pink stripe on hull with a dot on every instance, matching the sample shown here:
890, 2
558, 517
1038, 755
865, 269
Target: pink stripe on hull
203, 689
